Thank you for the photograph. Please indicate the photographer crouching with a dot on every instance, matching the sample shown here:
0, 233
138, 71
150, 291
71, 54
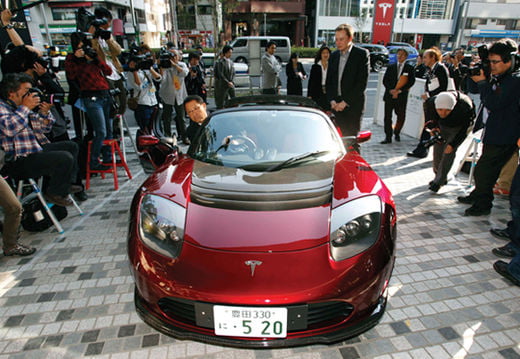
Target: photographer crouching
451, 113
499, 94
84, 66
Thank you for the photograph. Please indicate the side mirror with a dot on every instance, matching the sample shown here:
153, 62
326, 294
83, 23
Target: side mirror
364, 136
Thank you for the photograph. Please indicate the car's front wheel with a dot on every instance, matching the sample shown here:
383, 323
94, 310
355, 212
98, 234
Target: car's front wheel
378, 65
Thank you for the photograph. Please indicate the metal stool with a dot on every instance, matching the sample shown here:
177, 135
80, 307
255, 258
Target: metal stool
112, 168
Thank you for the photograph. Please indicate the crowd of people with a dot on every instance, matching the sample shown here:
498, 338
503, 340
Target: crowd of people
34, 136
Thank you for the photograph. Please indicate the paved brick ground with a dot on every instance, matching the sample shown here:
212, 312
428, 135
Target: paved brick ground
74, 298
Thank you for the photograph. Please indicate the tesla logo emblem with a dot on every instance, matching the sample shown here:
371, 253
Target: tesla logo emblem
253, 264
384, 6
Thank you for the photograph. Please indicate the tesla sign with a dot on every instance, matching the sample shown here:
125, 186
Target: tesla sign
383, 21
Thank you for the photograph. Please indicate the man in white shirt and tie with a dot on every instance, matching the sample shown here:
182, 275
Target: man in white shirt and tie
398, 79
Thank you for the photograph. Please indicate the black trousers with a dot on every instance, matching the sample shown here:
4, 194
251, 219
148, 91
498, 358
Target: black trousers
179, 120
57, 162
348, 121
488, 168
399, 107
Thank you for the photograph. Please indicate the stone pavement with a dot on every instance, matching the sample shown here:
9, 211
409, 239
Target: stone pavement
74, 297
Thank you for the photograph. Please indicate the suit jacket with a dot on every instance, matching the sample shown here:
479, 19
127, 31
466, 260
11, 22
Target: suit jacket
224, 73
270, 70
390, 81
437, 76
294, 82
353, 81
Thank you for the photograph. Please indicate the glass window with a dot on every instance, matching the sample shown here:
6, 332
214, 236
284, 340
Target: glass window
257, 140
240, 43
60, 14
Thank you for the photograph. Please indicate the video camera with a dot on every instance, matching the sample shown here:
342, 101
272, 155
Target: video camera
483, 53
53, 99
165, 59
85, 19
143, 62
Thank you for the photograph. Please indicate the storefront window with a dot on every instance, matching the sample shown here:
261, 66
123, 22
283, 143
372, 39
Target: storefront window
61, 14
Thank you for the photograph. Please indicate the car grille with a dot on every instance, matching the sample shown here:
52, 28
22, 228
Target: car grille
315, 314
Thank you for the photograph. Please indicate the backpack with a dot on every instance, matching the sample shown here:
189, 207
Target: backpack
35, 217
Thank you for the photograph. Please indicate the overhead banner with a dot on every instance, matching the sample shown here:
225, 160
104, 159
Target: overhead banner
383, 21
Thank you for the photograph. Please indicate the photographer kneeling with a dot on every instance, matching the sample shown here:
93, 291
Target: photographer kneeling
452, 113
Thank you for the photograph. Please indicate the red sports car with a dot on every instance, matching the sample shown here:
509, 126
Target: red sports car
269, 232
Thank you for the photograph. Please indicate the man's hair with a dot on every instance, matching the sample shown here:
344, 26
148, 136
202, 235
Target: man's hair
349, 30
402, 49
102, 12
269, 44
434, 52
19, 59
12, 82
504, 48
193, 55
226, 49
193, 98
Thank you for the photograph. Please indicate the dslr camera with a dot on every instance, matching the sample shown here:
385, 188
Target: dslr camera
435, 138
483, 53
90, 52
55, 98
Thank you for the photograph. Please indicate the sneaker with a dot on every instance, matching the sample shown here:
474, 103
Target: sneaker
501, 268
500, 233
504, 252
19, 250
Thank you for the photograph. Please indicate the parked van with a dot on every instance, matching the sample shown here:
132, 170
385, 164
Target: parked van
242, 47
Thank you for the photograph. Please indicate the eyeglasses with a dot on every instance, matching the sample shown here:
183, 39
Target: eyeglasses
196, 108
494, 62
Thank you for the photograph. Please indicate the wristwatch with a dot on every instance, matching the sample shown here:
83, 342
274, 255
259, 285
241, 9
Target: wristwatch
8, 26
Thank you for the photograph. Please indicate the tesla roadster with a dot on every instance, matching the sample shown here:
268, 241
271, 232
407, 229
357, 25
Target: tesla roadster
269, 232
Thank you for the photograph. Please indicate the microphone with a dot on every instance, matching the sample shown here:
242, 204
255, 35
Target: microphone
28, 6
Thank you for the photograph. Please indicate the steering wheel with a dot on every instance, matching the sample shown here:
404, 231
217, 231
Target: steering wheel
241, 144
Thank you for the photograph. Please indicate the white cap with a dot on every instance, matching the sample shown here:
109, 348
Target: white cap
445, 100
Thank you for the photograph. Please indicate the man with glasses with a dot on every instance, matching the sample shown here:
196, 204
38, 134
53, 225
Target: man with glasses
195, 108
500, 94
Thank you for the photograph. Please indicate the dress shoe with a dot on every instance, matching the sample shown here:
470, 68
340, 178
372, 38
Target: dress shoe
59, 200
434, 187
81, 196
417, 154
500, 233
501, 268
466, 199
397, 137
387, 140
504, 252
476, 211
74, 188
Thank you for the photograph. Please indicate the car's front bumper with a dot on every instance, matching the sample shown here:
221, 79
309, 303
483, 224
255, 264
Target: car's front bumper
339, 333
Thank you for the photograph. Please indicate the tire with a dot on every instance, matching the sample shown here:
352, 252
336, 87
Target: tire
241, 60
378, 65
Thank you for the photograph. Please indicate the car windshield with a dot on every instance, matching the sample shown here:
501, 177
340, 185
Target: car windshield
266, 140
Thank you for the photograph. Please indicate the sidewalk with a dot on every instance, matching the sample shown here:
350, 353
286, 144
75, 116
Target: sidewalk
74, 297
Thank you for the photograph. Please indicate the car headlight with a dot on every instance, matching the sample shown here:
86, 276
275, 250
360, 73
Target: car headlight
162, 225
355, 227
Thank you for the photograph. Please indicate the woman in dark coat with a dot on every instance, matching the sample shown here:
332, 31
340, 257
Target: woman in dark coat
295, 74
316, 88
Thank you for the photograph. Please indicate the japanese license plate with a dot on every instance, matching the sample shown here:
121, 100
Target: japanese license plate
250, 321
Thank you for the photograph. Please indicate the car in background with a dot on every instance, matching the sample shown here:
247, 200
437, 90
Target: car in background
378, 55
412, 54
271, 231
400, 44
241, 69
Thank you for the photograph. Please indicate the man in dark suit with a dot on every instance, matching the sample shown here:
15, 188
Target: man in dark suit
398, 79
347, 78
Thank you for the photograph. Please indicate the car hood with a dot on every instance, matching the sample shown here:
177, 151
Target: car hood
237, 210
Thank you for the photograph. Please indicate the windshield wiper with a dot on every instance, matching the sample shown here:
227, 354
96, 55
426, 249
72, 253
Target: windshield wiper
295, 159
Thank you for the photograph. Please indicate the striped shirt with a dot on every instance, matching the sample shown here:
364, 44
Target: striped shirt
22, 131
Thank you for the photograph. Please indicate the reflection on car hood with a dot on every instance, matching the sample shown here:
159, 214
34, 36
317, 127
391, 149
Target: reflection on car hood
289, 188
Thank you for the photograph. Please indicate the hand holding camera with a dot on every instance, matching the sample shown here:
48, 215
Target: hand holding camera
31, 100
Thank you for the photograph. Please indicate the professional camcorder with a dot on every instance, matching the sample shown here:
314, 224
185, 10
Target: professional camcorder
53, 99
483, 53
165, 59
85, 19
143, 62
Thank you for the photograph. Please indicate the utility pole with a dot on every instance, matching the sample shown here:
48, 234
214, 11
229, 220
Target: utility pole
173, 13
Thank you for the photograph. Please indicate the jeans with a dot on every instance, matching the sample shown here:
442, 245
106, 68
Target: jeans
143, 116
98, 110
514, 225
